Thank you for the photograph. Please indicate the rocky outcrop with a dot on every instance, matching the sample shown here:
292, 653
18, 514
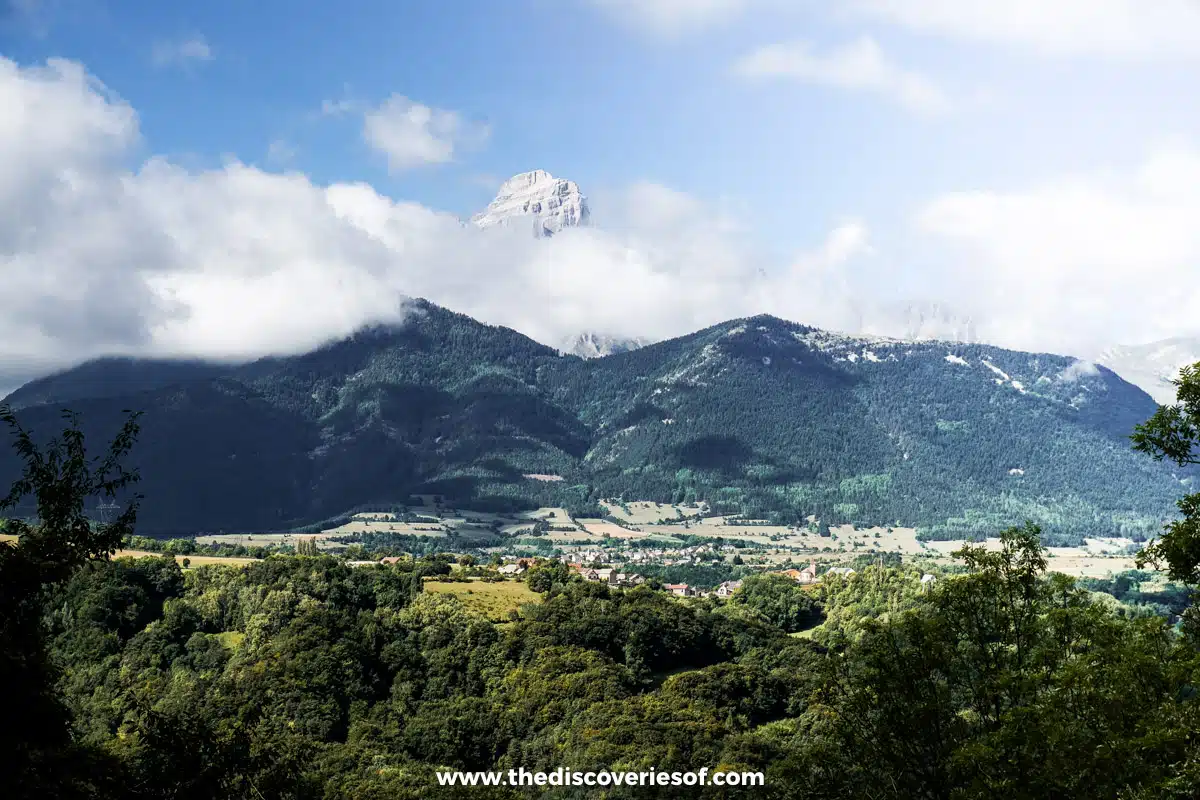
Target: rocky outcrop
538, 199
1152, 367
598, 345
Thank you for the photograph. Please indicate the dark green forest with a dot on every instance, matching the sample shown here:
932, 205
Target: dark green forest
758, 417
301, 677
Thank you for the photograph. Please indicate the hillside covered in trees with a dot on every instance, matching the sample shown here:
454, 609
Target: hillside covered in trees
305, 677
301, 677
759, 417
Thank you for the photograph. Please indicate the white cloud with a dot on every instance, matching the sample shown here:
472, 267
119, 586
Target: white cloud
819, 288
672, 17
1122, 28
238, 262
182, 52
103, 257
281, 151
411, 134
1077, 370
859, 65
1080, 261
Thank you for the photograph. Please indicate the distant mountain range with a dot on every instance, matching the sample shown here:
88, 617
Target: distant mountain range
549, 205
1153, 366
756, 416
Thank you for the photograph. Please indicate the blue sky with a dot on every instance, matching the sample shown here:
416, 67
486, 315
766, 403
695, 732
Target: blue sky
969, 147
567, 87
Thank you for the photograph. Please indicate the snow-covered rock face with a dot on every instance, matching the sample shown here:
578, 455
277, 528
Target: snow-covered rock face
546, 203
932, 321
919, 322
598, 345
1152, 367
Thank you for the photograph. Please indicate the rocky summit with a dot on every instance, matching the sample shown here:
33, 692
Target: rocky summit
546, 203
1153, 366
589, 344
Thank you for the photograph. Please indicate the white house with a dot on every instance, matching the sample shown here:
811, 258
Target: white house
727, 588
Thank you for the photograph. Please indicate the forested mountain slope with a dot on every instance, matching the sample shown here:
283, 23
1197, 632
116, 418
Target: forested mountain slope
767, 415
757, 416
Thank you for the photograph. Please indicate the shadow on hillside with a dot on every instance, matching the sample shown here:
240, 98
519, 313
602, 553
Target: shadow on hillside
714, 452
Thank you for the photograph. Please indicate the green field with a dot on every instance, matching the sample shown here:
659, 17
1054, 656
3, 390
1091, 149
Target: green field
193, 561
494, 600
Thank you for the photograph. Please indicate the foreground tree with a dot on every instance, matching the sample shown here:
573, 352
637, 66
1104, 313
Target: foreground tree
1174, 433
780, 600
36, 753
1007, 682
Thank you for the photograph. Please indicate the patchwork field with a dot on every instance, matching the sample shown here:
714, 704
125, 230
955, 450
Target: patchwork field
1098, 558
494, 600
193, 561
643, 512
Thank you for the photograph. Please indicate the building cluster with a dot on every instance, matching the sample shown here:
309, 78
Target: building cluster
668, 557
516, 567
724, 591
608, 575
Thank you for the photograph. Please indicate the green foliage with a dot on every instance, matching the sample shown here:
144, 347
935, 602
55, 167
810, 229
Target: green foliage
1135, 591
301, 677
1002, 682
60, 478
780, 600
701, 576
1174, 433
545, 575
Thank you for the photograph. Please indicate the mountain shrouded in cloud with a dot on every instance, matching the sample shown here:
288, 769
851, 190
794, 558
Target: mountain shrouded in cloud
108, 254
1153, 366
759, 415
598, 345
547, 203
232, 263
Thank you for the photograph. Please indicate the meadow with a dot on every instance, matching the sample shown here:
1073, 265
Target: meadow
493, 600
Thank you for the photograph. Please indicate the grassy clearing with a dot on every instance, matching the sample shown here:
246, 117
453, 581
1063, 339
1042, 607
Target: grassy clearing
230, 640
193, 561
494, 600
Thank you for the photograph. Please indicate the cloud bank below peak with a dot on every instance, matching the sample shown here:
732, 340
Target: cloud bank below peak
106, 256
238, 262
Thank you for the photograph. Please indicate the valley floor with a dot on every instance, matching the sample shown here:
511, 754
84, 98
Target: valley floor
664, 526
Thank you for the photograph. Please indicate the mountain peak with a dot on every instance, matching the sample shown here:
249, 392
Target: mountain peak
548, 204
525, 180
1153, 366
590, 344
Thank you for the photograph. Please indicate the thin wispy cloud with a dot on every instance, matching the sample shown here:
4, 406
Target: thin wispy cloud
281, 152
1142, 29
410, 134
182, 52
860, 65
1072, 257
337, 108
672, 17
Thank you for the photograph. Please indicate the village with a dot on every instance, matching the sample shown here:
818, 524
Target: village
618, 578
